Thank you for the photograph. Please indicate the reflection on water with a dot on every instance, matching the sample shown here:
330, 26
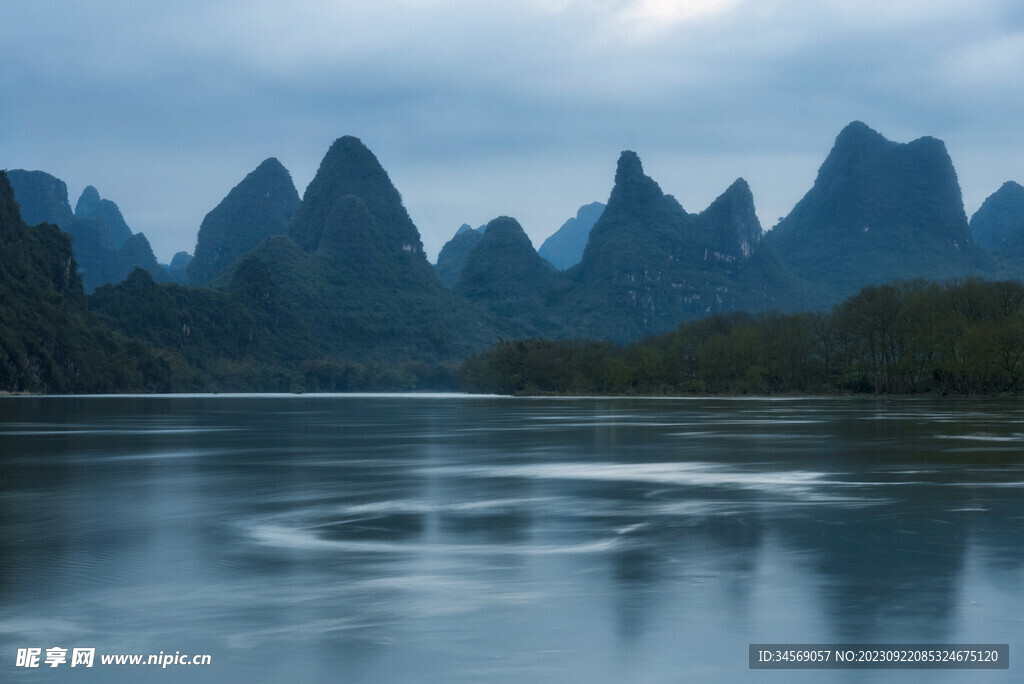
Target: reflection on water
467, 539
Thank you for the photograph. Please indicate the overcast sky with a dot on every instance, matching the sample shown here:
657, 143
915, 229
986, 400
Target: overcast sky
481, 108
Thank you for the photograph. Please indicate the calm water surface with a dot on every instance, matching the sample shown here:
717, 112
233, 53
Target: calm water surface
473, 539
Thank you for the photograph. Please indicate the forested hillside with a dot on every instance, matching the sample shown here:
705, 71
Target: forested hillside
49, 342
965, 337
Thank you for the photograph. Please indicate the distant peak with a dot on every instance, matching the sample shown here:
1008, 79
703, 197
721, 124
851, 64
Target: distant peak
270, 172
90, 194
180, 260
350, 156
271, 164
630, 168
928, 145
737, 198
739, 185
88, 203
858, 133
348, 143
350, 168
503, 224
589, 213
507, 236
733, 222
999, 218
858, 125
632, 184
348, 152
858, 128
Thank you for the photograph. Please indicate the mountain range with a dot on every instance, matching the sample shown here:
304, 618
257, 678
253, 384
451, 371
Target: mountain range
334, 291
104, 246
49, 340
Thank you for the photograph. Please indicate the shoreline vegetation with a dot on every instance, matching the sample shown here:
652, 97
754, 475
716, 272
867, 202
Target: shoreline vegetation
963, 337
912, 338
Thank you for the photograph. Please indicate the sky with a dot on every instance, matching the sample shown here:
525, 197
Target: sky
479, 109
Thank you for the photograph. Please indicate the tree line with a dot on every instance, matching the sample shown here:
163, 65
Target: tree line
962, 337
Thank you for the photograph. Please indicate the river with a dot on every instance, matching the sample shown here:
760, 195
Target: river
446, 538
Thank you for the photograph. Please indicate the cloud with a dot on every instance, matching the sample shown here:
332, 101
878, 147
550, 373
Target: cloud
647, 19
520, 106
987, 64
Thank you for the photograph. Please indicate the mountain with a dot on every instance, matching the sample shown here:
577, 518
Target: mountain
730, 225
350, 170
1011, 250
101, 258
879, 211
261, 205
650, 265
638, 219
109, 249
353, 273
136, 252
90, 206
734, 246
43, 198
335, 291
49, 342
999, 216
504, 274
178, 268
564, 248
453, 255
214, 335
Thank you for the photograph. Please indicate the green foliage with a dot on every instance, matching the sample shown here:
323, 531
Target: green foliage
538, 366
49, 342
248, 338
901, 338
200, 324
354, 309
